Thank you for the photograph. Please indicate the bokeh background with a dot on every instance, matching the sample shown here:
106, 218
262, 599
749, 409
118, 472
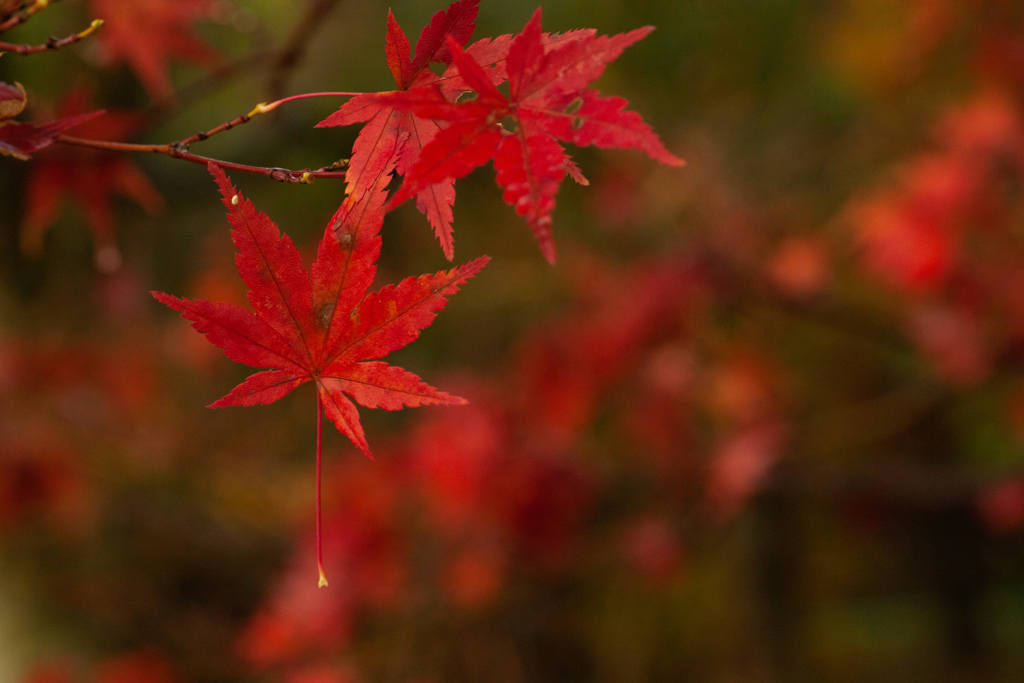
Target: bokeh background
763, 421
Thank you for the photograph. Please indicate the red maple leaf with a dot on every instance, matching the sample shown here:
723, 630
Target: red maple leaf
411, 133
321, 326
22, 140
148, 33
548, 101
408, 134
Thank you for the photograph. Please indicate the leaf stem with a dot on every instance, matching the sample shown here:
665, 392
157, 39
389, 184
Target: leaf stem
264, 107
319, 535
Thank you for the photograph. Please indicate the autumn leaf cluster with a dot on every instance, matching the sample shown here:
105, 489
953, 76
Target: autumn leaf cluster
444, 126
322, 326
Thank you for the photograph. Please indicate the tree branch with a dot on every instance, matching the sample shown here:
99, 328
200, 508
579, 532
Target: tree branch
178, 151
51, 43
22, 13
180, 148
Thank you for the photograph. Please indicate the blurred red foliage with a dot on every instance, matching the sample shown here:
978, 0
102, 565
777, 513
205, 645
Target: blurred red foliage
89, 177
363, 537
147, 34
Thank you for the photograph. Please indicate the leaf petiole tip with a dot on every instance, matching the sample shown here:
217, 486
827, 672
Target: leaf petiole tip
262, 108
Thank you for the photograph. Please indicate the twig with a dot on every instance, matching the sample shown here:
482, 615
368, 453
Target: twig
8, 13
178, 152
51, 43
180, 148
23, 13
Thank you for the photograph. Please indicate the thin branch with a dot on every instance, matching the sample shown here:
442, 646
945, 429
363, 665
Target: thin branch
10, 16
175, 151
51, 43
180, 148
227, 125
23, 13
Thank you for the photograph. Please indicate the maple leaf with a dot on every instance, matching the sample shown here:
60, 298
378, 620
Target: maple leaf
148, 33
412, 133
321, 326
548, 101
408, 133
22, 140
